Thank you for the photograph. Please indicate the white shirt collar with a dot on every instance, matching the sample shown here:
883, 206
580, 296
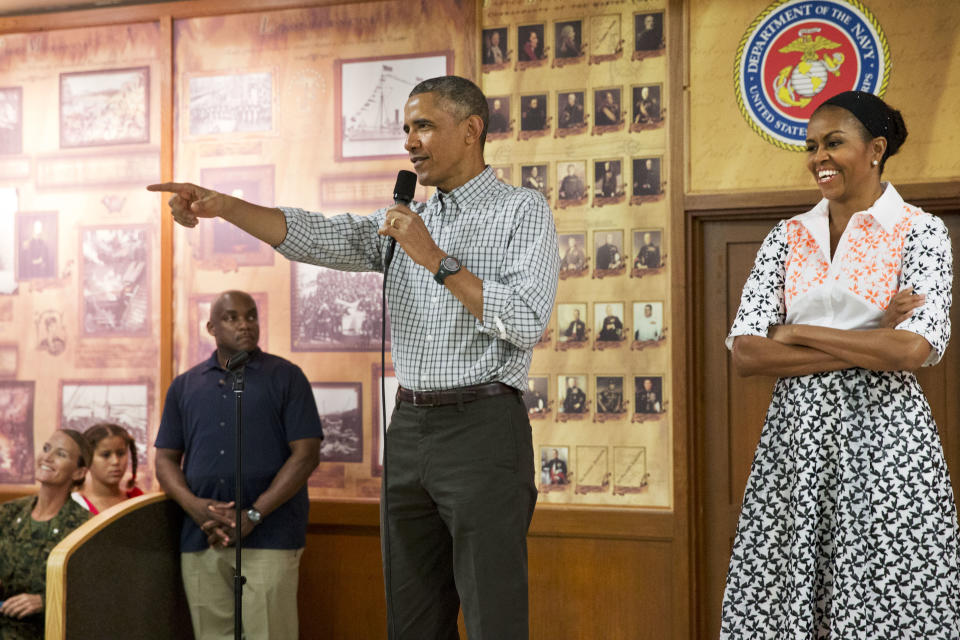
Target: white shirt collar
887, 211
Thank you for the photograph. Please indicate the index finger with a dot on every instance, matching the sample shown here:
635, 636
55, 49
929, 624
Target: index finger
171, 187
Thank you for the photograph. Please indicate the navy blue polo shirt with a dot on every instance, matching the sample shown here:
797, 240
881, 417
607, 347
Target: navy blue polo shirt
199, 418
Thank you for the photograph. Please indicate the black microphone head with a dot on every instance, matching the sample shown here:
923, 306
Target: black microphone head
405, 188
237, 360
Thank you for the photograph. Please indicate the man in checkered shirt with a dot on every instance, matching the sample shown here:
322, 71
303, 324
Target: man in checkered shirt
470, 292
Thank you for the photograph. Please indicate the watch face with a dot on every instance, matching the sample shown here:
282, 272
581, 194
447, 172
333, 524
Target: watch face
450, 264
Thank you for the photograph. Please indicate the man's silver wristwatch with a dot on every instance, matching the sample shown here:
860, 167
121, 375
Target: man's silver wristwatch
254, 516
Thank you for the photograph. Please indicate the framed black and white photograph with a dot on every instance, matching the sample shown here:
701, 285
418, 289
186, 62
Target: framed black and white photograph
36, 245
530, 43
335, 310
536, 397
647, 321
646, 113
648, 394
646, 178
533, 115
607, 180
608, 245
499, 124
568, 40
84, 403
553, 466
609, 391
115, 281
574, 261
221, 241
571, 183
381, 401
104, 107
572, 322
11, 120
370, 98
648, 28
230, 103
9, 242
570, 113
504, 173
647, 249
495, 50
16, 432
607, 109
534, 176
202, 344
608, 319
340, 406
572, 394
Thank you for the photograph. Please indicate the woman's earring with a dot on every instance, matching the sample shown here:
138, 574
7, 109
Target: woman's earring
875, 162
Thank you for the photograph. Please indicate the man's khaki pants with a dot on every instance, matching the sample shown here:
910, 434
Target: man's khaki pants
269, 594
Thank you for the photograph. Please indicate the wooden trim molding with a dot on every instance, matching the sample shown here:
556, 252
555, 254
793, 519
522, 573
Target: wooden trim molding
56, 610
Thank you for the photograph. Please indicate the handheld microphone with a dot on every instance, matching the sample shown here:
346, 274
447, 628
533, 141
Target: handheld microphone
237, 360
403, 192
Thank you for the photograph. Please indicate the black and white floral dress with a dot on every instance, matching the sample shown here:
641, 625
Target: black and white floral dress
848, 528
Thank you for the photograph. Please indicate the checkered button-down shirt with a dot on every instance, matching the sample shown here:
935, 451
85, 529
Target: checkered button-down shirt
502, 234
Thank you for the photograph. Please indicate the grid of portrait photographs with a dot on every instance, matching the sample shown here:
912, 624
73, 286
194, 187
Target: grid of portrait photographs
578, 113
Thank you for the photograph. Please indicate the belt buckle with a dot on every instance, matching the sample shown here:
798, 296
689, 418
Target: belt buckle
421, 403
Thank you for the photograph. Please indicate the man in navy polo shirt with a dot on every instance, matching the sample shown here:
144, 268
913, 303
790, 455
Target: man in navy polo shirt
281, 443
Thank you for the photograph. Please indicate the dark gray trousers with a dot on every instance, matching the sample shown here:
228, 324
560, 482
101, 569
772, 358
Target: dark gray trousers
461, 492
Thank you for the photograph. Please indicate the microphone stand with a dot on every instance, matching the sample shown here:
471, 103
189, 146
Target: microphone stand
236, 365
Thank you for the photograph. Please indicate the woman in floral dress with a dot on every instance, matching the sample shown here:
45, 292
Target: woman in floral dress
848, 528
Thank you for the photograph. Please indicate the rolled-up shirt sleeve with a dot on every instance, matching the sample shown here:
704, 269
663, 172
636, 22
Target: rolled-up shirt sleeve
347, 241
517, 305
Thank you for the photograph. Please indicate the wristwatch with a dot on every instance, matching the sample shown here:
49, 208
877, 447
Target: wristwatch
448, 266
254, 516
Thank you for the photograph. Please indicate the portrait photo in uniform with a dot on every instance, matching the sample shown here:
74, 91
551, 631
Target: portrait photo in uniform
570, 109
536, 397
647, 321
646, 177
553, 465
36, 245
534, 176
573, 254
499, 109
572, 393
572, 322
609, 249
504, 173
607, 107
647, 252
608, 319
646, 104
607, 178
648, 394
571, 179
533, 112
649, 30
609, 390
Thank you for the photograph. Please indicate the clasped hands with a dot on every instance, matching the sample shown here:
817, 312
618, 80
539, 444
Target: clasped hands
218, 522
900, 308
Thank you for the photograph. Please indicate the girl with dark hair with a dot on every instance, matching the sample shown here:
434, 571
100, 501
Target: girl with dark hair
848, 527
113, 448
31, 527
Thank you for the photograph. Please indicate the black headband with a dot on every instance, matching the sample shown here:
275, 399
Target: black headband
871, 111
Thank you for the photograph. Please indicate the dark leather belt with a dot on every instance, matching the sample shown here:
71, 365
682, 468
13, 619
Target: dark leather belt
461, 395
